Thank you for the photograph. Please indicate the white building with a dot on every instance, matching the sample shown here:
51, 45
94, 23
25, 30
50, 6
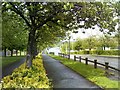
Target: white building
55, 50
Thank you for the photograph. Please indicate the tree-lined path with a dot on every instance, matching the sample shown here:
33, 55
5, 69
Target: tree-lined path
34, 27
63, 77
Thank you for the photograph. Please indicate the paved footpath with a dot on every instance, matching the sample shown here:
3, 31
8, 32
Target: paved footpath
7, 70
63, 77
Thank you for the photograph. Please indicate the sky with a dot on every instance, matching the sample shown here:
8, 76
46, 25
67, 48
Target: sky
88, 32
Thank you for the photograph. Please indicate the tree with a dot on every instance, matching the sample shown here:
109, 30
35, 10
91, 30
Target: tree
78, 44
90, 42
58, 17
107, 41
14, 35
37, 16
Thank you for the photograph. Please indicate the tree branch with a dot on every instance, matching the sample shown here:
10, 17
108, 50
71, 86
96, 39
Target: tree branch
48, 19
20, 13
63, 26
31, 14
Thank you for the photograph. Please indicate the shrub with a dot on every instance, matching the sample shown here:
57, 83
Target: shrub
99, 52
107, 52
34, 77
92, 52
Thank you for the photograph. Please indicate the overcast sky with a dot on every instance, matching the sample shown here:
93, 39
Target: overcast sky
88, 32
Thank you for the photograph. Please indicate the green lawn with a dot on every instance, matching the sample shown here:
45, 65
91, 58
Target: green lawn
95, 75
8, 60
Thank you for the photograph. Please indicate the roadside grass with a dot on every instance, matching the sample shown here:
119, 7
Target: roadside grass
8, 60
97, 76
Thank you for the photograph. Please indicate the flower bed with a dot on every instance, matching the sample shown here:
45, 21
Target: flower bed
34, 77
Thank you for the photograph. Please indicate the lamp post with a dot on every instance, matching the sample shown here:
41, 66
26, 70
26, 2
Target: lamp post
64, 46
69, 43
72, 44
69, 46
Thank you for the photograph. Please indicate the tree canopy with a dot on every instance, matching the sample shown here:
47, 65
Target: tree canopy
14, 35
46, 21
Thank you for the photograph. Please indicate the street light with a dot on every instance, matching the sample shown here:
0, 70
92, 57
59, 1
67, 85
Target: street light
69, 46
72, 43
64, 44
69, 42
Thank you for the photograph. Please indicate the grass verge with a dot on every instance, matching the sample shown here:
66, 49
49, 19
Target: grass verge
107, 56
8, 60
34, 77
97, 76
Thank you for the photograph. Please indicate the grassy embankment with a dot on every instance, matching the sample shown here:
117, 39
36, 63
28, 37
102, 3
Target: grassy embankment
34, 77
95, 75
8, 60
4, 61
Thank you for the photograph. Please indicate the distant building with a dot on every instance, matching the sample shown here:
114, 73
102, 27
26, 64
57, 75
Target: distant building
54, 50
107, 48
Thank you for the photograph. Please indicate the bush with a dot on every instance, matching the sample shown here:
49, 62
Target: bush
34, 77
99, 52
81, 52
106, 52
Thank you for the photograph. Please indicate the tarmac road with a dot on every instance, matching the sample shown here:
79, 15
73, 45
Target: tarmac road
113, 61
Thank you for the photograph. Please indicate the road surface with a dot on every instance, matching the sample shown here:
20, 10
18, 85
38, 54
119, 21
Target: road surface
113, 61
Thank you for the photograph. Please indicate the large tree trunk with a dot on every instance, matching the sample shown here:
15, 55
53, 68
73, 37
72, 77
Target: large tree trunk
35, 50
11, 53
20, 52
30, 48
89, 49
5, 51
104, 47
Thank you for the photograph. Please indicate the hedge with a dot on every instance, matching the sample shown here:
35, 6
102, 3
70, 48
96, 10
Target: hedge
34, 77
105, 52
99, 52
